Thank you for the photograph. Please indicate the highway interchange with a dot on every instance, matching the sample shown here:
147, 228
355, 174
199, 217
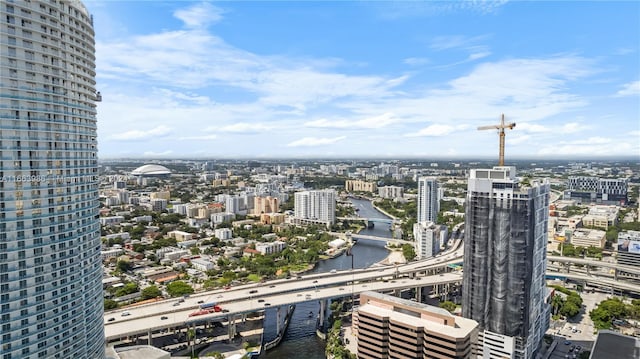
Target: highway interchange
254, 297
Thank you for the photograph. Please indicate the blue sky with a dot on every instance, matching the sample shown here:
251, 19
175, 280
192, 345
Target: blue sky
367, 79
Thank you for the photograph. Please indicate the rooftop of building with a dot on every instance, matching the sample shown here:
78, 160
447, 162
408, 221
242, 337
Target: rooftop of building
613, 345
460, 329
137, 352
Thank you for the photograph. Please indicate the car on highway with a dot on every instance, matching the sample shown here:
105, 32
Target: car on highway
267, 304
253, 291
272, 286
225, 311
200, 301
176, 304
111, 319
315, 281
163, 317
260, 300
125, 314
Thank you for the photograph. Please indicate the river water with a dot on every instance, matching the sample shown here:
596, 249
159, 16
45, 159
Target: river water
300, 340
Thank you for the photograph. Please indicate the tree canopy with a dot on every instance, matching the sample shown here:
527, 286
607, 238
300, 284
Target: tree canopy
179, 288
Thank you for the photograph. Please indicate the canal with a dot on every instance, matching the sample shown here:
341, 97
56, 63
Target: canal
301, 341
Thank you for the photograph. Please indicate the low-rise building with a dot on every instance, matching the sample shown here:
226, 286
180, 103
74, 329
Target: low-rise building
223, 233
181, 236
601, 216
271, 247
111, 253
588, 237
202, 264
272, 218
110, 221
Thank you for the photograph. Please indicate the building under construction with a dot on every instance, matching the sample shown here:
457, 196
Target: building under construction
505, 261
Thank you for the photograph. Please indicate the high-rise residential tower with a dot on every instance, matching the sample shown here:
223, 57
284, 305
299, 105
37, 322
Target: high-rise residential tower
428, 204
319, 206
50, 271
505, 261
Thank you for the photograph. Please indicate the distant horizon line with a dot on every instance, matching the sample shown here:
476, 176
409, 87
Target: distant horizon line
370, 158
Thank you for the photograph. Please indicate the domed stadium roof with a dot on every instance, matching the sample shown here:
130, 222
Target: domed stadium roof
151, 171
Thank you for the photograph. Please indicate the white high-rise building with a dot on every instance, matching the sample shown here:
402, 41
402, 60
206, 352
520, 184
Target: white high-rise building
428, 205
316, 205
427, 236
505, 262
51, 303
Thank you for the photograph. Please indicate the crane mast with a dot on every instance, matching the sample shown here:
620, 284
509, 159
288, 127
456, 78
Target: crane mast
500, 127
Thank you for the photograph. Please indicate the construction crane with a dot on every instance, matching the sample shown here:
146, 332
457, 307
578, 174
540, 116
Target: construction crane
500, 129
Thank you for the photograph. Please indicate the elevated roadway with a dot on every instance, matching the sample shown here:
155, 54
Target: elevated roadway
249, 298
594, 263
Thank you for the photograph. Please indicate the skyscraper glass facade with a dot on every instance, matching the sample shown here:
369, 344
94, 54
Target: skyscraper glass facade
50, 270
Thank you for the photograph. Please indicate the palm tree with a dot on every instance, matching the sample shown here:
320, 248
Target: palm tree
190, 336
556, 303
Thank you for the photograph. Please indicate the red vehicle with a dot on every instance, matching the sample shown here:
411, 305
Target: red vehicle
208, 310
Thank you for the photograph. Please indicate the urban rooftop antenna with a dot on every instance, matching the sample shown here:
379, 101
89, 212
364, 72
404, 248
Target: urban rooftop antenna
500, 129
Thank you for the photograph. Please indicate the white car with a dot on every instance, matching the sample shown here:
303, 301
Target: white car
124, 314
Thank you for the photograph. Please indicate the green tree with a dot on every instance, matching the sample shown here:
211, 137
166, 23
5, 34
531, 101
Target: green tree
128, 288
110, 304
123, 266
151, 292
408, 252
179, 288
448, 305
607, 311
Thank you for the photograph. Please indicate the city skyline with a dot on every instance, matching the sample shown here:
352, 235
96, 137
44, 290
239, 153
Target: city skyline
366, 79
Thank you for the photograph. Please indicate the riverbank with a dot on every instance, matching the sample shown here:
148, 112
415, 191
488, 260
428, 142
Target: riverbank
394, 257
373, 203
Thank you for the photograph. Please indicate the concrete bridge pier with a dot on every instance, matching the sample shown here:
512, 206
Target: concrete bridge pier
615, 274
231, 326
149, 337
419, 294
322, 314
278, 320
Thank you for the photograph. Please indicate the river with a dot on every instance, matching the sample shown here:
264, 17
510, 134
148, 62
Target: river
301, 341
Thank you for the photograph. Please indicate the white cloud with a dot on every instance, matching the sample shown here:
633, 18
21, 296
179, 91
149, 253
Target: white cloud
516, 140
198, 138
629, 89
367, 123
594, 146
315, 141
416, 61
199, 15
573, 127
478, 55
241, 127
436, 130
137, 135
455, 41
531, 127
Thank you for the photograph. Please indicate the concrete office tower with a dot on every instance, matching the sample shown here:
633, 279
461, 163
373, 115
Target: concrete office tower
316, 205
50, 271
394, 328
428, 205
505, 261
